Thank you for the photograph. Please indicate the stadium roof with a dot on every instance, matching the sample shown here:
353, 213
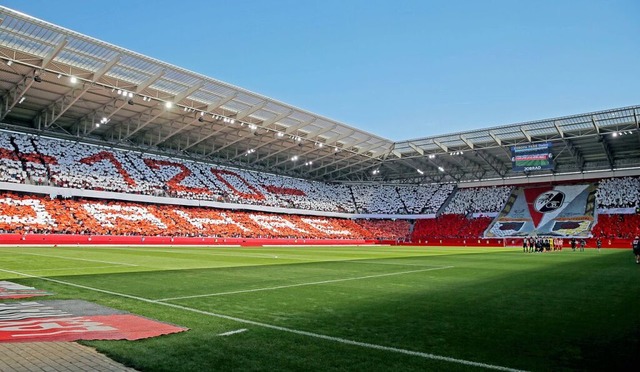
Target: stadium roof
58, 82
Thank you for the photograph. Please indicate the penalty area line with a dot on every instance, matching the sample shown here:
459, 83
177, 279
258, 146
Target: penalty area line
301, 284
320, 336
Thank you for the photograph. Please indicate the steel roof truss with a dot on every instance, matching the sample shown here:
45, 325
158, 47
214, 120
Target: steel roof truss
145, 118
13, 95
608, 152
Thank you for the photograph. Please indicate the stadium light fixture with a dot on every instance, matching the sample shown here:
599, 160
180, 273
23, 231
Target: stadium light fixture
73, 79
168, 104
420, 171
9, 62
294, 158
22, 99
441, 169
59, 76
37, 79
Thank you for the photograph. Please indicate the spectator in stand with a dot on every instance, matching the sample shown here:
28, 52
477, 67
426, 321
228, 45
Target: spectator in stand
378, 199
621, 192
478, 200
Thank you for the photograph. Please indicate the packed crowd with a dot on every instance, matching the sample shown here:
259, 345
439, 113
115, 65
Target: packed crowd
39, 214
10, 166
42, 160
612, 226
621, 192
478, 200
399, 230
380, 199
449, 226
26, 158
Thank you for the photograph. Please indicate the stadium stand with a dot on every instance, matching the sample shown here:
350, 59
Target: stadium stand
30, 159
381, 199
387, 229
625, 226
449, 226
621, 192
44, 160
40, 214
10, 165
480, 200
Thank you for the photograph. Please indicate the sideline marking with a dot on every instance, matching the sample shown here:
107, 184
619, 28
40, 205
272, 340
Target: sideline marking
73, 268
285, 256
279, 328
233, 332
301, 284
72, 258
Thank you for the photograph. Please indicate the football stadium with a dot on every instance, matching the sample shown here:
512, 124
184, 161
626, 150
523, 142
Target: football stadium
168, 221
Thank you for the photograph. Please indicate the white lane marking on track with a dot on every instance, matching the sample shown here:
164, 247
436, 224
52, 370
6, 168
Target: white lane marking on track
279, 328
72, 258
233, 332
302, 284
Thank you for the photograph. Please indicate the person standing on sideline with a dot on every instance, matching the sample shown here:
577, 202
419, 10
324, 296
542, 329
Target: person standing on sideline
635, 244
598, 244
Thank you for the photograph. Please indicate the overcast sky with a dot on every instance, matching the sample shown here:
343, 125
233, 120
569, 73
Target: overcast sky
399, 69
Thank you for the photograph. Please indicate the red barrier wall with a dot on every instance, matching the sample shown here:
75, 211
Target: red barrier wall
63, 239
513, 242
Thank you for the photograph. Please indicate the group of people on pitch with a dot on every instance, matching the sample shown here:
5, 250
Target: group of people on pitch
541, 244
546, 244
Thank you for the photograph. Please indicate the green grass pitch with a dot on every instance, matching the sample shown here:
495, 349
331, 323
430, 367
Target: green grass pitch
354, 308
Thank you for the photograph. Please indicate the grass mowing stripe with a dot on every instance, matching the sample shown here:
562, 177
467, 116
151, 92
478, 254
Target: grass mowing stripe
73, 258
285, 256
278, 328
302, 284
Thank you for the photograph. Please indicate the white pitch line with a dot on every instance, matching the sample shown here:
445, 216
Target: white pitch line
200, 252
273, 256
301, 284
73, 258
73, 268
279, 328
233, 332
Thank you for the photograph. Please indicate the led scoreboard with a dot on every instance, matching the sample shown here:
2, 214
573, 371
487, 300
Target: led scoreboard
532, 157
